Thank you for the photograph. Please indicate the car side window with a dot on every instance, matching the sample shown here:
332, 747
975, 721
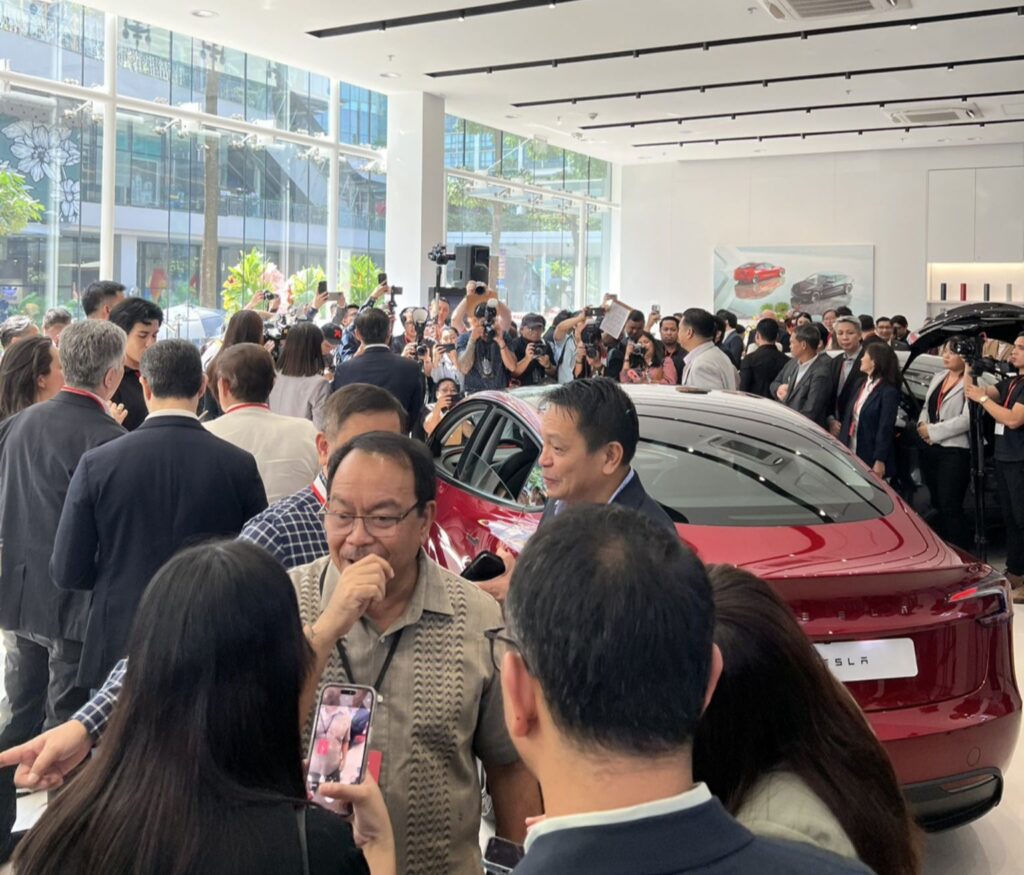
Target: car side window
504, 464
453, 436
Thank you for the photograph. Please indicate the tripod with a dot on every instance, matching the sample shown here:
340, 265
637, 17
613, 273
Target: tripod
977, 441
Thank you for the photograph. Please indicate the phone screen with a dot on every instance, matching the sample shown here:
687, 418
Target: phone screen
340, 745
502, 856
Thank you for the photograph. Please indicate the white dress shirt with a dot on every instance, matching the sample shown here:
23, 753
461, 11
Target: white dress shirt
284, 446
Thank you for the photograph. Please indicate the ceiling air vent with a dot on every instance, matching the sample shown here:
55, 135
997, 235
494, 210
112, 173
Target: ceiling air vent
782, 10
934, 115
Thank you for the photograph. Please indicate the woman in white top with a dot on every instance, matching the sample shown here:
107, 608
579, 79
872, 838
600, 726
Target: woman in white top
944, 426
301, 388
446, 366
785, 747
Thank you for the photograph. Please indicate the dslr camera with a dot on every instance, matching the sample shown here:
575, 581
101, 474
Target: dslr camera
487, 313
637, 361
970, 350
276, 333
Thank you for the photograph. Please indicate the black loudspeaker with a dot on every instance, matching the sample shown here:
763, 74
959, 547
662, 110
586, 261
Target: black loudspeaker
471, 263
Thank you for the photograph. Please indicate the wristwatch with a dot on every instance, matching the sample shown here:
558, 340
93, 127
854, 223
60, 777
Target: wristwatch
984, 399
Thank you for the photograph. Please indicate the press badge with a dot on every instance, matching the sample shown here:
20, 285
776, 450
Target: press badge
1000, 428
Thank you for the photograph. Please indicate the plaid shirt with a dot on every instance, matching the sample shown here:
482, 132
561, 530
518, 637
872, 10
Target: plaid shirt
95, 714
292, 529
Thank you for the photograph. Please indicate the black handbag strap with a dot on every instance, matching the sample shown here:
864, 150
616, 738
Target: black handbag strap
300, 816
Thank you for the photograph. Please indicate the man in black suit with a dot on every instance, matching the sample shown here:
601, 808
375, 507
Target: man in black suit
612, 748
732, 339
133, 504
759, 368
590, 431
39, 451
847, 377
377, 365
805, 383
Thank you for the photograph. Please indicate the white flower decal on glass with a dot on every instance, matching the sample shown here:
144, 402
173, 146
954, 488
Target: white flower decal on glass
41, 151
70, 200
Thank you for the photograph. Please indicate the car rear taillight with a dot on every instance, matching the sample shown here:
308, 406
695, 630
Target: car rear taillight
989, 600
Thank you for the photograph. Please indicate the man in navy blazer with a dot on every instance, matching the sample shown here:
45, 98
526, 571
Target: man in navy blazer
134, 503
379, 366
605, 671
590, 431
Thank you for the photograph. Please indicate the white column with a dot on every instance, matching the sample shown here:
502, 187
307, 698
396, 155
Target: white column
333, 183
417, 194
108, 175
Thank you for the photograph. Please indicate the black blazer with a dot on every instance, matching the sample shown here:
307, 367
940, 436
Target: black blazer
131, 506
759, 369
732, 346
634, 496
845, 399
381, 367
700, 839
39, 451
813, 395
876, 428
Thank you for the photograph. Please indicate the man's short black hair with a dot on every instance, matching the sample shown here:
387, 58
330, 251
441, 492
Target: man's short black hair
809, 334
444, 380
701, 322
768, 330
97, 293
669, 318
355, 399
728, 317
637, 316
844, 311
373, 326
867, 323
133, 311
615, 620
882, 319
602, 411
410, 454
900, 320
173, 368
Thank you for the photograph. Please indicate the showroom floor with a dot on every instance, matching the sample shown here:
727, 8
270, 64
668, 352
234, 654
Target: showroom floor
993, 845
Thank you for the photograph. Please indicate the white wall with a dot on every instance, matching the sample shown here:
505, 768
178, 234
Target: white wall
673, 216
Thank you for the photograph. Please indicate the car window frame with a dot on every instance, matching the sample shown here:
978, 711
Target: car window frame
494, 414
464, 412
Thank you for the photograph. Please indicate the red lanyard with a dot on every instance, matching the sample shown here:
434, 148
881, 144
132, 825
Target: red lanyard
238, 407
319, 489
83, 394
1009, 402
943, 391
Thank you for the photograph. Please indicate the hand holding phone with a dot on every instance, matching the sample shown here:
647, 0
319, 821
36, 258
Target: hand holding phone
340, 744
502, 856
485, 566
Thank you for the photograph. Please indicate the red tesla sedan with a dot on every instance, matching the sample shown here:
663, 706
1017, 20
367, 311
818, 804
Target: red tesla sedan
755, 272
920, 634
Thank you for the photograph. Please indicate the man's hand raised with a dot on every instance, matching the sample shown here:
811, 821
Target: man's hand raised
47, 759
361, 586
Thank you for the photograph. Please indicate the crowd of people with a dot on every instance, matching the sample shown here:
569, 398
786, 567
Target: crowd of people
196, 545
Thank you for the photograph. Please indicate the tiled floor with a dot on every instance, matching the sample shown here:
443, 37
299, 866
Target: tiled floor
993, 845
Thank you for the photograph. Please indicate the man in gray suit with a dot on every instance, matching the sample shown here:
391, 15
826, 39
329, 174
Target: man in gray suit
805, 383
707, 367
39, 451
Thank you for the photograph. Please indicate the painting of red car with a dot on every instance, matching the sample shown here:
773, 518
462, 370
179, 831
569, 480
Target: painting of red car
918, 632
757, 271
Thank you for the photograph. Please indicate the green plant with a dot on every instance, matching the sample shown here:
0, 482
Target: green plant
32, 306
17, 206
363, 279
303, 284
244, 280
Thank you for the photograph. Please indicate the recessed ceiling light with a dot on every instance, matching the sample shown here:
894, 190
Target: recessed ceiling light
205, 13
391, 75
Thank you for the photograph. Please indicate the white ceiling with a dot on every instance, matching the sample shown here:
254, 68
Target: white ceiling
278, 29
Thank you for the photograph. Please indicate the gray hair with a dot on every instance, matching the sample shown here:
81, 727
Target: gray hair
13, 328
173, 368
88, 349
847, 320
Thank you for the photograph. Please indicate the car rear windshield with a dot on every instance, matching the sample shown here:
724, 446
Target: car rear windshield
721, 472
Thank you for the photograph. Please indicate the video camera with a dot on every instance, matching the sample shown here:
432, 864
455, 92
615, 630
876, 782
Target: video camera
276, 333
488, 313
637, 358
440, 255
970, 350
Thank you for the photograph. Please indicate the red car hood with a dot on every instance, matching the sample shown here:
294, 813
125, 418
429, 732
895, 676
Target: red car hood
899, 542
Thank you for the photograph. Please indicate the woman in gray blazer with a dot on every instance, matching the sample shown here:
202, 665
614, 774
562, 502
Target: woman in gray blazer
944, 426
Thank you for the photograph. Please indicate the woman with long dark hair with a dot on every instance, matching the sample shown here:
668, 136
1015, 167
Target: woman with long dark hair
246, 326
784, 746
869, 426
657, 367
300, 388
200, 769
30, 372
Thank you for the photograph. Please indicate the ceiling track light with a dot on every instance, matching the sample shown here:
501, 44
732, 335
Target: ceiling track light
779, 80
803, 135
807, 110
755, 39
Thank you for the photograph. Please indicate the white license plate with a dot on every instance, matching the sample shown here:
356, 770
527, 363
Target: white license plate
870, 660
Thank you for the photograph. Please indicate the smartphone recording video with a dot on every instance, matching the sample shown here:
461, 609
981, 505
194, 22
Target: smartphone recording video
340, 745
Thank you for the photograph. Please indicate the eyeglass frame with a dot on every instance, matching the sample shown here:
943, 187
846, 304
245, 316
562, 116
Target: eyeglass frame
326, 514
495, 635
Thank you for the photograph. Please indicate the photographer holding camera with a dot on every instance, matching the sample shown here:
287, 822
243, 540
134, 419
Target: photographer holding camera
536, 359
449, 394
1004, 402
445, 365
646, 362
484, 358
